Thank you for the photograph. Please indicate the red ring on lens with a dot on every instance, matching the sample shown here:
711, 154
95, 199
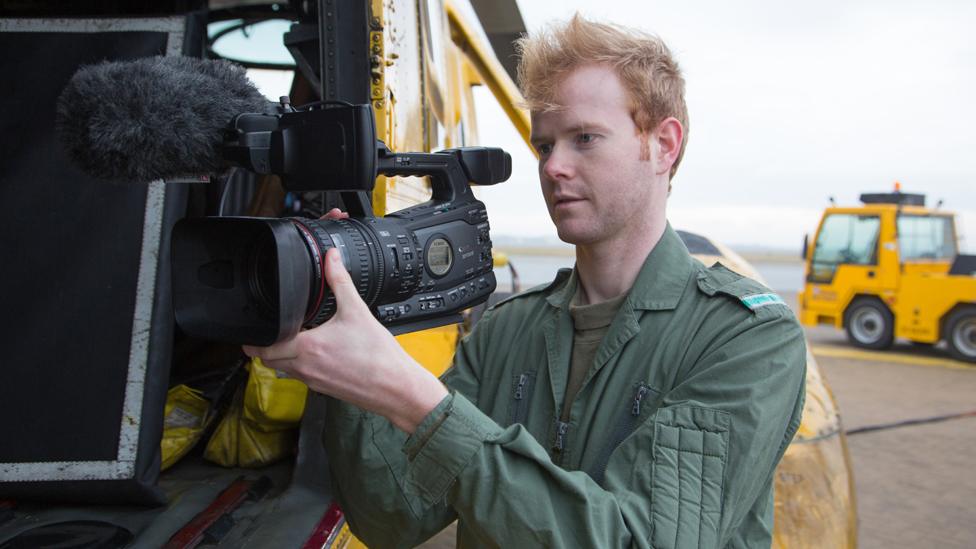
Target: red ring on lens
320, 258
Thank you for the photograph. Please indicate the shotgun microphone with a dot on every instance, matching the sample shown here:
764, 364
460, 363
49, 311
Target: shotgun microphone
155, 117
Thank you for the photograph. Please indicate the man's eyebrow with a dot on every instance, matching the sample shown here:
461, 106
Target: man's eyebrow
588, 127
578, 128
537, 137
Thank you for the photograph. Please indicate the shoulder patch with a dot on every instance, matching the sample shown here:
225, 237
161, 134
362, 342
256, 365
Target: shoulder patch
761, 300
561, 276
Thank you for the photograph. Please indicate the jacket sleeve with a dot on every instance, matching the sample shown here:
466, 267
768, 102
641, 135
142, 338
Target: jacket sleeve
369, 470
503, 485
370, 466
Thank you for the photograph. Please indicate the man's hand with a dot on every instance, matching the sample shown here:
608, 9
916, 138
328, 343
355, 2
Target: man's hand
352, 357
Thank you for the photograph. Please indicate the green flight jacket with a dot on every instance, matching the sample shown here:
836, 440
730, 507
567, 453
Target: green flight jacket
695, 393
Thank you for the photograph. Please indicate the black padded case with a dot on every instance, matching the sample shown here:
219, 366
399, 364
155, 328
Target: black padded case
87, 329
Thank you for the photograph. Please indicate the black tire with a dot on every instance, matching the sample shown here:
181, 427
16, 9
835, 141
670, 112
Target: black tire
869, 324
961, 334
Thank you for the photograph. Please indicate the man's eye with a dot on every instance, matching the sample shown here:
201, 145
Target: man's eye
543, 148
586, 138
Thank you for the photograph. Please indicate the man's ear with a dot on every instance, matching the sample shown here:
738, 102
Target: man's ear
667, 138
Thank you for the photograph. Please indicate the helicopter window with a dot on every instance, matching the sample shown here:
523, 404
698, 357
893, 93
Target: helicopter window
258, 46
254, 44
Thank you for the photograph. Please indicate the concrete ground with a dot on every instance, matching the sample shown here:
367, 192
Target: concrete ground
916, 485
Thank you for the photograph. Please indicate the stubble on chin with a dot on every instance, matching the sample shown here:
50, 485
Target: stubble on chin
577, 235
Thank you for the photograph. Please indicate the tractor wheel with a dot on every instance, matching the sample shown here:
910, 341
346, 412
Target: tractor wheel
869, 324
961, 334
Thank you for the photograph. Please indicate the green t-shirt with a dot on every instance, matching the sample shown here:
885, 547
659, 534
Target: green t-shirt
590, 324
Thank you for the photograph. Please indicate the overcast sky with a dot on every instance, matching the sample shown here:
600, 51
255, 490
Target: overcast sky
789, 103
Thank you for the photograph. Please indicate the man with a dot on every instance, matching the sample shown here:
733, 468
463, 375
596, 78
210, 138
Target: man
639, 400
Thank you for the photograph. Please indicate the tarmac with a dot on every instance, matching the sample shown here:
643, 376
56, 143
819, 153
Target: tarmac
915, 481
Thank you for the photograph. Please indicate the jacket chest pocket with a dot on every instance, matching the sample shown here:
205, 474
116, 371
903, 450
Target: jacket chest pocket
521, 397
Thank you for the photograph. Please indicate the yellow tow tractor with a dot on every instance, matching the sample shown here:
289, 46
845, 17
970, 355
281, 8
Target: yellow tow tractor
891, 268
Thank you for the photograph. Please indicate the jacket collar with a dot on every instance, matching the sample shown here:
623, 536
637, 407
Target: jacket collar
659, 284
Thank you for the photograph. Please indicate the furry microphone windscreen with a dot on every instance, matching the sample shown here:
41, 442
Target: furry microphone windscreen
153, 118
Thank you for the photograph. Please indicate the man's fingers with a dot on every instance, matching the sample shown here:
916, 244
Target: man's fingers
335, 213
340, 282
285, 350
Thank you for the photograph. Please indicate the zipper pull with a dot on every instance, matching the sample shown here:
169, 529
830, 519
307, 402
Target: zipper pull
521, 385
561, 429
641, 391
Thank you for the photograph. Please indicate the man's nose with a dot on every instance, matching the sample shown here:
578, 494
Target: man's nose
558, 165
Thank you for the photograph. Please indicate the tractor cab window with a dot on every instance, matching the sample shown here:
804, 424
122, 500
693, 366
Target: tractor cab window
926, 237
844, 239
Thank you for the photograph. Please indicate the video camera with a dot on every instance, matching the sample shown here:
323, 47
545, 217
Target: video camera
257, 281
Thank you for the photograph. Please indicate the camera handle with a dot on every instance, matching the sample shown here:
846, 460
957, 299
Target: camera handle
450, 170
357, 203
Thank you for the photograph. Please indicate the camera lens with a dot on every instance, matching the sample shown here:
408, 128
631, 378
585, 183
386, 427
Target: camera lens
351, 240
258, 281
378, 254
262, 274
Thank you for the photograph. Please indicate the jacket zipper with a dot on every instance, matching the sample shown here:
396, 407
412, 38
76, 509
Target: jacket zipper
625, 427
641, 391
561, 430
521, 385
521, 394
